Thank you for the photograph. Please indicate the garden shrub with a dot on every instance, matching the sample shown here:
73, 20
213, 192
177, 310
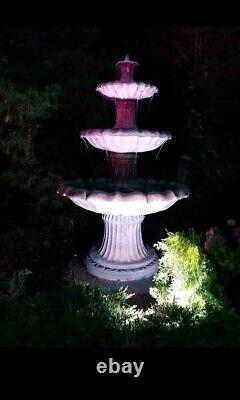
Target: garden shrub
186, 277
38, 228
227, 260
80, 315
75, 315
14, 285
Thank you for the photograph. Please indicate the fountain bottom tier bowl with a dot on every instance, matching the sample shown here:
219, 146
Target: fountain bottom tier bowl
122, 255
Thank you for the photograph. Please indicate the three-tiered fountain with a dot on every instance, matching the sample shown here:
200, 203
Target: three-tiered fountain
124, 200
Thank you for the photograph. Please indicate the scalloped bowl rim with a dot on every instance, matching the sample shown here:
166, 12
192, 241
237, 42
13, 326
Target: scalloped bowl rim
125, 133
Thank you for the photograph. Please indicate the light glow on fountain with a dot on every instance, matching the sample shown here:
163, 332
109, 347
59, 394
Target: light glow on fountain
126, 204
124, 200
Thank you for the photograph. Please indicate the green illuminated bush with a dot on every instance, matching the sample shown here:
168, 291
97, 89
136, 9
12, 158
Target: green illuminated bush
79, 315
186, 277
68, 315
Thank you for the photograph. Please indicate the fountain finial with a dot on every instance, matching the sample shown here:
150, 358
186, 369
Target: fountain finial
126, 69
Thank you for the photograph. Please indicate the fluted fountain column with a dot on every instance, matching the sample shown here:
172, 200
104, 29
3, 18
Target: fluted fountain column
122, 239
122, 255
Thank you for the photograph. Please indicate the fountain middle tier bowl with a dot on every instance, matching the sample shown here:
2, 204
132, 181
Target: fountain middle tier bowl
139, 198
125, 140
130, 90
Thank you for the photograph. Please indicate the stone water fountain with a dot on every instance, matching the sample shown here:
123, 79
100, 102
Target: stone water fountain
124, 200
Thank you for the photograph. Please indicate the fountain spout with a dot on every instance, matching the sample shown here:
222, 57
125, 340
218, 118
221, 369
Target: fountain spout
126, 69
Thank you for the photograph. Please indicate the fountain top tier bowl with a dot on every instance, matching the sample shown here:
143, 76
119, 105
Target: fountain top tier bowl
125, 137
137, 198
126, 87
131, 90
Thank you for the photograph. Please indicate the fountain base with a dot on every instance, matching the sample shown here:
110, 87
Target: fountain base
76, 273
123, 272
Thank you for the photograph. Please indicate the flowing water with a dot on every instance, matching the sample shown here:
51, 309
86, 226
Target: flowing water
88, 152
160, 148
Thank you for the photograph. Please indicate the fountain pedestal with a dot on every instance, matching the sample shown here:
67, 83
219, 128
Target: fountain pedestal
122, 255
